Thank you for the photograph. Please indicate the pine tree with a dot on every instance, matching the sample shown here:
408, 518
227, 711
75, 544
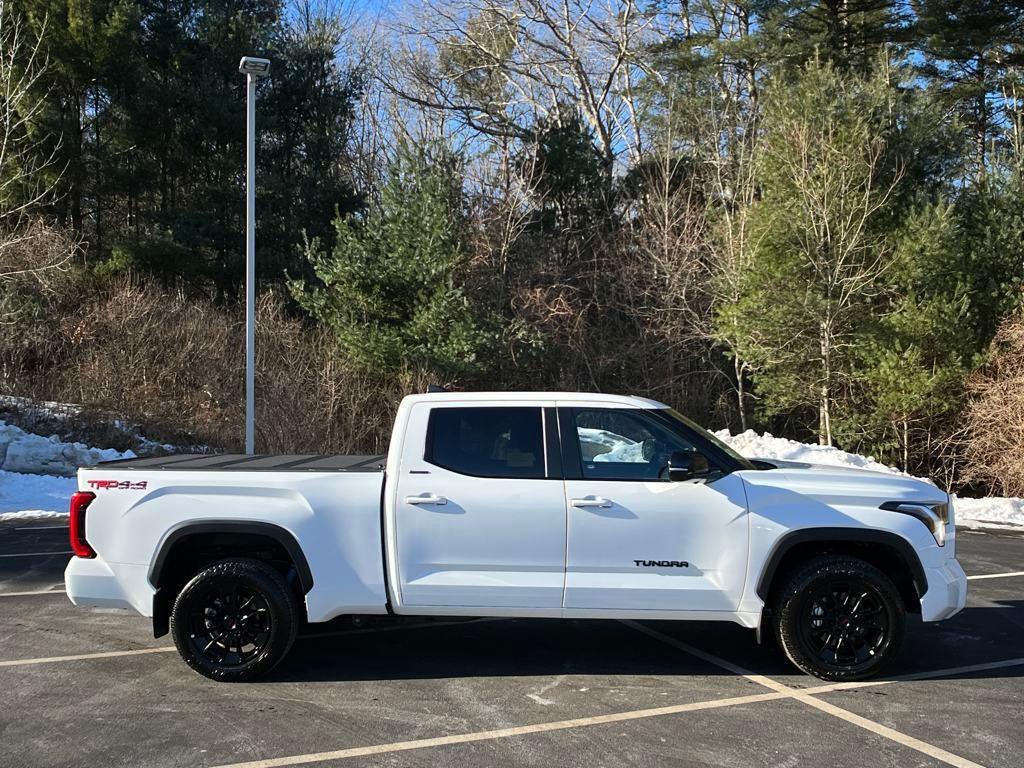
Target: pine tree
391, 286
969, 50
846, 33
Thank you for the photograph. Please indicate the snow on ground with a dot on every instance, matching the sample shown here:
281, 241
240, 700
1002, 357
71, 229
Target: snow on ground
990, 511
34, 497
25, 452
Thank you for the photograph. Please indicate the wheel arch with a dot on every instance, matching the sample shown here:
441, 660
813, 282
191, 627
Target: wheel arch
230, 536
881, 548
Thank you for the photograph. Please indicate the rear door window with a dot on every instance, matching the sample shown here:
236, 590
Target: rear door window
487, 441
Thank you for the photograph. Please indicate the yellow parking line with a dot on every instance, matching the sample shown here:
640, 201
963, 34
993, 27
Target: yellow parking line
778, 691
787, 693
805, 697
504, 733
167, 648
890, 733
59, 591
82, 656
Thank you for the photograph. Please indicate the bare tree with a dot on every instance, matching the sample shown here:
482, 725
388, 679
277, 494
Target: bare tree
823, 179
501, 68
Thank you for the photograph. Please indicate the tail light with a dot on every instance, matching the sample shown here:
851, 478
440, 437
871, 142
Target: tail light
80, 501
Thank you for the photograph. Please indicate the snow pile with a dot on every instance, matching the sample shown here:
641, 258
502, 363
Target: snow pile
767, 446
25, 452
989, 511
992, 511
37, 474
34, 497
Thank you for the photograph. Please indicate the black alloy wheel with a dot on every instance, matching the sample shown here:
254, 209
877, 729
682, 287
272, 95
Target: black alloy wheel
229, 625
844, 623
839, 618
235, 620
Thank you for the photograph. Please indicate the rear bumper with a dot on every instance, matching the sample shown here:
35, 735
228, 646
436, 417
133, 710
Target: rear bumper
947, 591
94, 582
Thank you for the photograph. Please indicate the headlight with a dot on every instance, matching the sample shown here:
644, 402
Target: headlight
934, 514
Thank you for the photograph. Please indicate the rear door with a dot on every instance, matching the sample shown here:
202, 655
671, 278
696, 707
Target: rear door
480, 507
637, 541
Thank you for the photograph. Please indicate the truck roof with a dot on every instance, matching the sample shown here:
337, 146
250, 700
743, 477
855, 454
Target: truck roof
563, 398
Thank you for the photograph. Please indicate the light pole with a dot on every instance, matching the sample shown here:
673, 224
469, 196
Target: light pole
252, 68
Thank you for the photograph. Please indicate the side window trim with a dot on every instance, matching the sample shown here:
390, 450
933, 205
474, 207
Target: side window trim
572, 462
552, 444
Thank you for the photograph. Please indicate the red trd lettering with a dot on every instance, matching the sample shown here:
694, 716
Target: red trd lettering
118, 485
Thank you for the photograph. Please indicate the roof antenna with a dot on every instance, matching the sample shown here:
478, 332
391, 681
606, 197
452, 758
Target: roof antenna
432, 388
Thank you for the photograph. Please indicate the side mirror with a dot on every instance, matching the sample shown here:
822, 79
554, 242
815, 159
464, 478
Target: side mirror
685, 465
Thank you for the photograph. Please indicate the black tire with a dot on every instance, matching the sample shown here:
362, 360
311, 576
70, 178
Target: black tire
839, 618
235, 620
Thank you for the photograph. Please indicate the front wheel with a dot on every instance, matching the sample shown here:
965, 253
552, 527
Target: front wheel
839, 618
235, 620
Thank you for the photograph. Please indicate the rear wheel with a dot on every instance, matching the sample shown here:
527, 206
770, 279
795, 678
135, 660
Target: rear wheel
840, 618
235, 620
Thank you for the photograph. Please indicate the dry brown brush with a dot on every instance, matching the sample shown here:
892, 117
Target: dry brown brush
173, 365
995, 415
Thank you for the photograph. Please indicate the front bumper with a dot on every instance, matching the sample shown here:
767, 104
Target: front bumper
947, 591
94, 582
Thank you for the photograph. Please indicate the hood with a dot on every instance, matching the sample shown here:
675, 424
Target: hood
787, 464
839, 484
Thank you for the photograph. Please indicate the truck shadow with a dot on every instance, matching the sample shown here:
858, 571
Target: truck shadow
537, 647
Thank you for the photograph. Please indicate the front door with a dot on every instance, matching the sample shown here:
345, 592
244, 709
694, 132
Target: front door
637, 541
480, 507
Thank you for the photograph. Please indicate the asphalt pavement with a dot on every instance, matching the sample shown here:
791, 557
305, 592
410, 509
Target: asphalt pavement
93, 688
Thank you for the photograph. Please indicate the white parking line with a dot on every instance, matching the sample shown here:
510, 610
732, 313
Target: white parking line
806, 697
36, 554
996, 575
56, 591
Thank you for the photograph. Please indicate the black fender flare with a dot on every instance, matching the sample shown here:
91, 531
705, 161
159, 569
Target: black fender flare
161, 601
787, 541
270, 530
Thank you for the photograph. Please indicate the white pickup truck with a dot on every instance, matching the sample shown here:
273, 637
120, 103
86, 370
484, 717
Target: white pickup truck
562, 505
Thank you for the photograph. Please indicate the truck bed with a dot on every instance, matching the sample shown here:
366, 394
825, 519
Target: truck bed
227, 462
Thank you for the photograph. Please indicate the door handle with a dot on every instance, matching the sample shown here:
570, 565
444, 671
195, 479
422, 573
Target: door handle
590, 501
426, 498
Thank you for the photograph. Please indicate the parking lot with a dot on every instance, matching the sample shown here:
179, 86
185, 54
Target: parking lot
93, 687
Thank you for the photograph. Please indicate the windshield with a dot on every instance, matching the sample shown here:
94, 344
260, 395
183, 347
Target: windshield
717, 442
